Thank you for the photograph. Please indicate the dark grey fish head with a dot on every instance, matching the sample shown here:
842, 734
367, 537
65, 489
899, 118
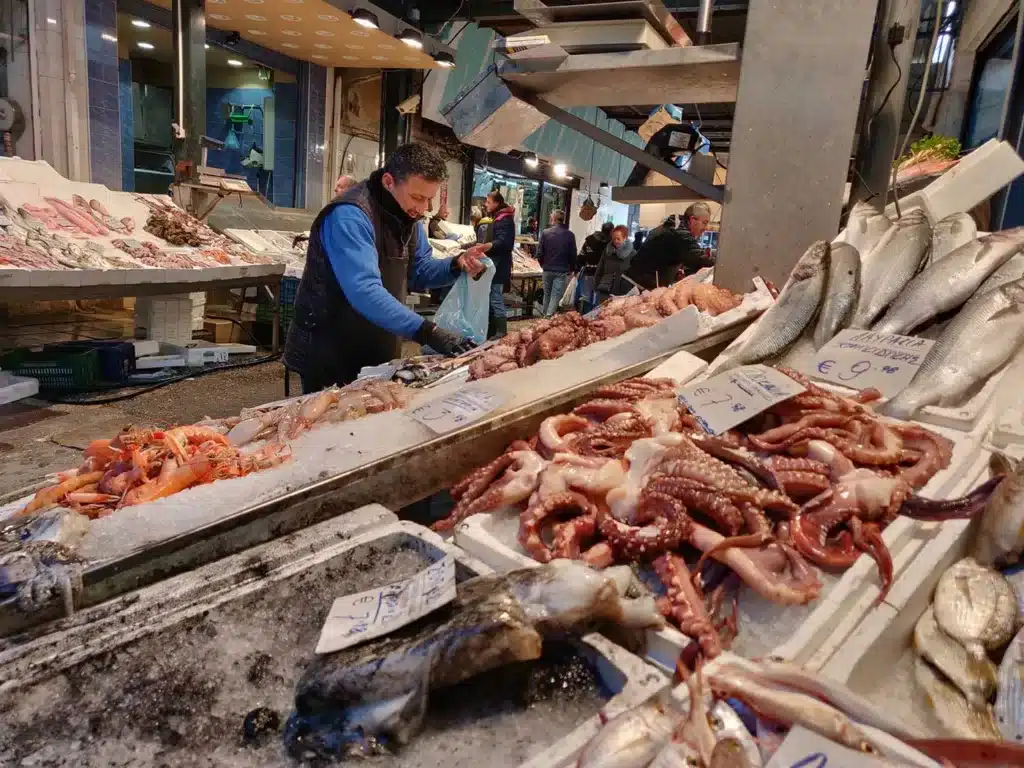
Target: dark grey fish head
814, 260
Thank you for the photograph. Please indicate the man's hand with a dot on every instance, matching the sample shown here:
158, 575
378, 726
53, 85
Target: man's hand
469, 260
441, 340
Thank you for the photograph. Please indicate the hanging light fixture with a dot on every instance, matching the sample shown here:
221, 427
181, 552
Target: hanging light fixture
412, 38
603, 188
531, 160
365, 18
560, 170
445, 60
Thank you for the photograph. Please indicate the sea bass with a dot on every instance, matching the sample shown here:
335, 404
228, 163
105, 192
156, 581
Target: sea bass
865, 227
891, 265
975, 606
1011, 271
346, 701
1009, 707
949, 234
976, 678
841, 293
794, 309
1000, 537
952, 709
977, 342
951, 282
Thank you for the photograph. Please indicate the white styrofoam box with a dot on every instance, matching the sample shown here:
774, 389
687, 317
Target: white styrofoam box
1008, 428
251, 240
198, 355
145, 347
682, 366
14, 388
160, 361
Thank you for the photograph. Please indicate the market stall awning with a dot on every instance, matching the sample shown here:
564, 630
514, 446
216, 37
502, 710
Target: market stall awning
312, 30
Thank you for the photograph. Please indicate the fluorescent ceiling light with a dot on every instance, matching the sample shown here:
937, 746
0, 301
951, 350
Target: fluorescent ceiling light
234, 63
560, 169
108, 37
50, 21
141, 24
147, 46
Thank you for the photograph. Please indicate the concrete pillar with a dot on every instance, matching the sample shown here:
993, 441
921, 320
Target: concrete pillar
188, 29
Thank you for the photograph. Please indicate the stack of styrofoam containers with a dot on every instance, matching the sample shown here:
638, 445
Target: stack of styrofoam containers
198, 309
164, 318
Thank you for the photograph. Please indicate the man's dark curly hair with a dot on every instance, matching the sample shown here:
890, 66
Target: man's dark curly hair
416, 160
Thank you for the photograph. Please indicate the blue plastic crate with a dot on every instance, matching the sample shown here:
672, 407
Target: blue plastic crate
116, 357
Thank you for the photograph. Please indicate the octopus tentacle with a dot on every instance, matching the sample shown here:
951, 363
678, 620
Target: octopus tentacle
554, 429
520, 477
798, 483
540, 513
684, 604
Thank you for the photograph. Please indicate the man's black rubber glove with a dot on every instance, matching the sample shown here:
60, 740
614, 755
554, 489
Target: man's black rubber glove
441, 340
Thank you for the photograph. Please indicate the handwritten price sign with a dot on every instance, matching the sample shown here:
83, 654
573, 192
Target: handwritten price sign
862, 359
723, 401
805, 749
365, 615
456, 410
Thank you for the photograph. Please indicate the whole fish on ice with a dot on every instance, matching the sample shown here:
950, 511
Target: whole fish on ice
1010, 272
891, 265
781, 325
976, 678
1009, 708
987, 331
349, 700
841, 293
949, 234
949, 283
975, 606
865, 227
951, 708
1000, 536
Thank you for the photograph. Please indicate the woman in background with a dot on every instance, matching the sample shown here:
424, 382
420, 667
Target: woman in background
614, 262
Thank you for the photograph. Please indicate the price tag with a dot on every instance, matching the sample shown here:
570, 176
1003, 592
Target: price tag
805, 749
381, 372
130, 243
370, 614
456, 410
723, 401
862, 359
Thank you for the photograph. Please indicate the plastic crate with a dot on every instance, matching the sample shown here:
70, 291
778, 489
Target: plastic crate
289, 288
117, 358
56, 371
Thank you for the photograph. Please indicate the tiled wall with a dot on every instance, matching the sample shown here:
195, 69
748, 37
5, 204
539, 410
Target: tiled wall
317, 95
286, 104
124, 99
104, 100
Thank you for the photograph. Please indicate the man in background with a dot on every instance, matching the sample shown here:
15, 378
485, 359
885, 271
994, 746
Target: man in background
556, 252
500, 231
342, 185
670, 249
594, 245
434, 226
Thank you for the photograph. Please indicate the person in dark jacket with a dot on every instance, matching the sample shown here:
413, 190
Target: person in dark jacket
501, 234
365, 249
594, 245
669, 250
556, 252
614, 263
434, 225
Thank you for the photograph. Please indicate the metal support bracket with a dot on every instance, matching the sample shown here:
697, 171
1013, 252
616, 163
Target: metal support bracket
614, 143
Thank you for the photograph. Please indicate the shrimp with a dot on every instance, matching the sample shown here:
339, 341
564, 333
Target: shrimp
49, 497
177, 480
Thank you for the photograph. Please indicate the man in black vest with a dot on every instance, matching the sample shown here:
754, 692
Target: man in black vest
366, 248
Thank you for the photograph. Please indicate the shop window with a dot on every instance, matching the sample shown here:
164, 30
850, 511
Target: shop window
995, 73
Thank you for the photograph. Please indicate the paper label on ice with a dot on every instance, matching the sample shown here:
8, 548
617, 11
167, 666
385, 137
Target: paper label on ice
762, 287
805, 749
375, 612
723, 401
456, 410
862, 359
131, 243
382, 372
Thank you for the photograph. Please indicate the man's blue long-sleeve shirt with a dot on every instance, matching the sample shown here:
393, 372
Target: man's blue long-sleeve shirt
347, 237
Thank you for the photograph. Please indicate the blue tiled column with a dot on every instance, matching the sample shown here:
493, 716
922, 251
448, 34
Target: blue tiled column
124, 94
286, 105
317, 90
104, 109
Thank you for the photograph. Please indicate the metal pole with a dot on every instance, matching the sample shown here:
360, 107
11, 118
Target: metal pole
883, 107
395, 128
704, 22
188, 29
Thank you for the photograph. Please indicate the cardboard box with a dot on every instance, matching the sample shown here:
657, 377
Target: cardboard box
222, 331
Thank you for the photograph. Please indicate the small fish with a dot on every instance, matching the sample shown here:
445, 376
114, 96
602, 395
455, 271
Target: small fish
949, 283
1000, 536
987, 331
1000, 463
865, 227
952, 709
634, 738
727, 725
729, 753
776, 330
1010, 272
949, 234
841, 293
975, 606
976, 678
891, 265
1009, 709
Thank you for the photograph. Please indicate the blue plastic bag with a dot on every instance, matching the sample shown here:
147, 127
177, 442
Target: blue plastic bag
464, 309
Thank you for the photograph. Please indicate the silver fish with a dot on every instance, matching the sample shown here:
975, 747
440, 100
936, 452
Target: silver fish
865, 227
891, 265
949, 234
776, 330
634, 738
977, 342
976, 678
951, 708
1009, 709
841, 293
728, 726
1000, 537
1010, 272
975, 606
949, 283
729, 753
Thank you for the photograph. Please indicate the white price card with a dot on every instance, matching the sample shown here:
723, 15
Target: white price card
723, 401
862, 359
456, 410
381, 372
805, 749
366, 615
